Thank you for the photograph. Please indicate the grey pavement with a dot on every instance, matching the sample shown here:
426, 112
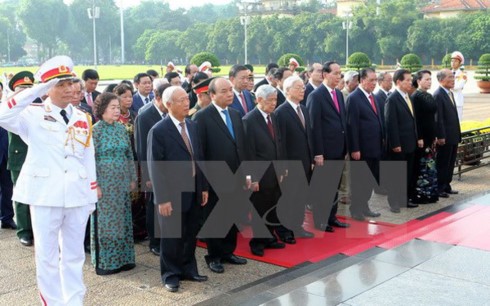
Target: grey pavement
417, 277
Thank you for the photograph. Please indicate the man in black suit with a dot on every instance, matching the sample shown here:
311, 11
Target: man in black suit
401, 135
143, 84
175, 138
280, 75
315, 73
448, 132
385, 83
91, 79
242, 100
6, 205
189, 71
265, 144
295, 129
223, 139
145, 120
327, 113
268, 76
365, 138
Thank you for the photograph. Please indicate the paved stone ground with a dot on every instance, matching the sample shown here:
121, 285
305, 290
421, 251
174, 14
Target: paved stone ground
142, 285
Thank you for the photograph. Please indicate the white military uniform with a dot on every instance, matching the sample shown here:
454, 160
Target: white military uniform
459, 82
58, 181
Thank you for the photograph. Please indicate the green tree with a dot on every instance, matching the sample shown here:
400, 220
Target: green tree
12, 36
161, 47
195, 38
139, 48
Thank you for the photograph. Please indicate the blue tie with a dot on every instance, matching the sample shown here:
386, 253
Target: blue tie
229, 125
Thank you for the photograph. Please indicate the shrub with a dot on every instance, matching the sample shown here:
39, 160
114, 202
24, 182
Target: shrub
483, 71
446, 61
201, 57
411, 62
283, 61
358, 61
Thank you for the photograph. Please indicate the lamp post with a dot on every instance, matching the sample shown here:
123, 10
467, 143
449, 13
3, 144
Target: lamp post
346, 25
244, 6
94, 13
121, 10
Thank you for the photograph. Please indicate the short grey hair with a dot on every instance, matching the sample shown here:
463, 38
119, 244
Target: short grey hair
79, 81
169, 92
288, 83
381, 76
350, 75
264, 91
158, 82
441, 75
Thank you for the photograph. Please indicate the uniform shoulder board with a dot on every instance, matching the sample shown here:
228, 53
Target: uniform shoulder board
192, 111
80, 109
36, 104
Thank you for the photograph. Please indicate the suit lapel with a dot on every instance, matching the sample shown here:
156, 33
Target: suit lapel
219, 121
403, 102
174, 133
329, 99
295, 116
258, 117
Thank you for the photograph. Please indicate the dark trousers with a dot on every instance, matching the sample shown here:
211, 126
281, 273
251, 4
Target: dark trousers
151, 215
319, 208
362, 191
264, 202
22, 214
6, 188
219, 248
178, 242
394, 198
446, 158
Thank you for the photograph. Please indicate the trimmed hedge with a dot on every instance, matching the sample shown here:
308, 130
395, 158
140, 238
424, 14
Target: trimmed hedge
201, 57
483, 71
283, 61
411, 62
358, 61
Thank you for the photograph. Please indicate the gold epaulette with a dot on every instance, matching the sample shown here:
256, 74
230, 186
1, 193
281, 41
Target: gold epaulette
192, 111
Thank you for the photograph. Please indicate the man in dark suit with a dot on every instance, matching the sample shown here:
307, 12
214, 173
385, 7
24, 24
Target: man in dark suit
385, 83
280, 75
91, 79
189, 71
295, 129
401, 135
175, 138
242, 100
448, 132
223, 139
327, 113
315, 73
265, 144
365, 138
145, 120
143, 84
268, 75
6, 186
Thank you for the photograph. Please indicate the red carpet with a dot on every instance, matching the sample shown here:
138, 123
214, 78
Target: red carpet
469, 228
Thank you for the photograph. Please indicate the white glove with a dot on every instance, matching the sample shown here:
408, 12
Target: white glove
28, 95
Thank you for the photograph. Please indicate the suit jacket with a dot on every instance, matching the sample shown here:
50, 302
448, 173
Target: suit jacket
217, 142
4, 145
95, 93
60, 162
238, 105
280, 97
165, 143
401, 127
261, 146
308, 90
381, 99
86, 108
425, 108
297, 141
364, 126
448, 127
260, 83
137, 102
142, 126
328, 125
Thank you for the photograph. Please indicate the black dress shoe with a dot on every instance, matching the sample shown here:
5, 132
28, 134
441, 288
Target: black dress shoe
303, 234
337, 223
371, 214
452, 191
410, 205
234, 260
358, 217
172, 283
9, 224
195, 278
395, 210
155, 251
216, 266
325, 228
443, 195
257, 251
26, 241
288, 239
275, 245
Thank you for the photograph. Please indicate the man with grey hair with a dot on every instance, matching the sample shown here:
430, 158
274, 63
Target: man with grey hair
385, 84
295, 128
351, 79
448, 132
264, 144
175, 138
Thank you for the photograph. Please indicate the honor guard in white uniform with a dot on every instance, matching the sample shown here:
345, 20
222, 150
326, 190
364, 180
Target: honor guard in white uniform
57, 180
457, 60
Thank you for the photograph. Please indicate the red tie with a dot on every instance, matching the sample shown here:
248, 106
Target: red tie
371, 98
244, 103
335, 101
269, 126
